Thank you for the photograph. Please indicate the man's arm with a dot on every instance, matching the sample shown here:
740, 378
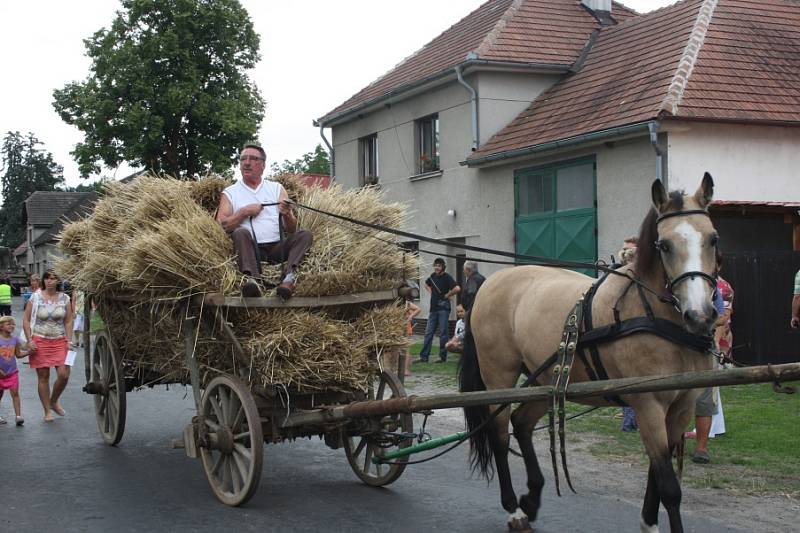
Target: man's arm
287, 213
231, 220
795, 323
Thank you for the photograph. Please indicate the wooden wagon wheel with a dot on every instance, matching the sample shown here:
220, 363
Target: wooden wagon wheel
361, 450
234, 455
109, 401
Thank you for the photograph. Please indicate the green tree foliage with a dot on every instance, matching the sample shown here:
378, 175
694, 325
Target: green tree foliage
316, 162
26, 168
167, 89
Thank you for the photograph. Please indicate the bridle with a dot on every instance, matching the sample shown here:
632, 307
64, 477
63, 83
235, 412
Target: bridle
670, 284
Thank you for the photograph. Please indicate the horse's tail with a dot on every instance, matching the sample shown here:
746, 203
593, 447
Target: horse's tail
480, 429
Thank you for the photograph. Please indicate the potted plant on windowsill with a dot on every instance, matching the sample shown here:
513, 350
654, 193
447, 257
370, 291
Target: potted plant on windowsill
428, 163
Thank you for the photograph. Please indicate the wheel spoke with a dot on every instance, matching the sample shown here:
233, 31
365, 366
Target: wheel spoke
237, 420
103, 404
381, 389
106, 421
215, 407
242, 468
241, 436
367, 459
243, 451
227, 482
213, 425
361, 444
217, 463
223, 405
237, 480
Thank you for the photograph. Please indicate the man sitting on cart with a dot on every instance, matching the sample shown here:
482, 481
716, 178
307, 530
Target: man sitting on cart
251, 211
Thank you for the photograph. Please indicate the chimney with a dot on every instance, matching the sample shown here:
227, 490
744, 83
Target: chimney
597, 5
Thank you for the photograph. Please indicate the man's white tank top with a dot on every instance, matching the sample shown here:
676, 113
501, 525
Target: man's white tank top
265, 224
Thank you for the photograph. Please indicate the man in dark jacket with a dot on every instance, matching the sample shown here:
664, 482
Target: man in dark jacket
442, 287
473, 282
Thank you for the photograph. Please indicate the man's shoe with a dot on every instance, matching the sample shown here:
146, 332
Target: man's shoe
285, 290
440, 361
250, 289
420, 360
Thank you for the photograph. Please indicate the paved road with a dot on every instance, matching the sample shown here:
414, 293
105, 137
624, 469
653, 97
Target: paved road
61, 477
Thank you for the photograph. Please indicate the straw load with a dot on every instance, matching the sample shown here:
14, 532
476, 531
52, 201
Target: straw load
153, 242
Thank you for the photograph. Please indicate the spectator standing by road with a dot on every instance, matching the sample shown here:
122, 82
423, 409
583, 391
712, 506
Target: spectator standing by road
473, 282
47, 324
9, 375
794, 323
5, 297
626, 256
442, 287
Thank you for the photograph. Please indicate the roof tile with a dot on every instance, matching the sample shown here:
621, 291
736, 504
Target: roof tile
551, 32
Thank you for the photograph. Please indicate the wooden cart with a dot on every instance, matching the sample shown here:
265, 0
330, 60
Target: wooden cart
234, 419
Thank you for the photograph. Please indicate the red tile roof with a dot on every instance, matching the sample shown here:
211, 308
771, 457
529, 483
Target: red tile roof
539, 32
697, 59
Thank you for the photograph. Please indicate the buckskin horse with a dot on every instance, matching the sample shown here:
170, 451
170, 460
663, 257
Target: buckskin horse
652, 317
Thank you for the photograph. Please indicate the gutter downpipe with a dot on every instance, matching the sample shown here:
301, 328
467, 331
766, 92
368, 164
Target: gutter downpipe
653, 126
474, 106
330, 149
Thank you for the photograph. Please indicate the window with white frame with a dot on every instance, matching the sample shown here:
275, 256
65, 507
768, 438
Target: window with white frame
368, 160
427, 142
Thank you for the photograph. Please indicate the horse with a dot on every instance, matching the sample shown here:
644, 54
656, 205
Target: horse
516, 325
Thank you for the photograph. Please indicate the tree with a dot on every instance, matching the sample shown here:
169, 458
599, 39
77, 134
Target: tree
168, 89
26, 168
316, 162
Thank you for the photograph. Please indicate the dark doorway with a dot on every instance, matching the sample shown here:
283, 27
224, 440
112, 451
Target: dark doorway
762, 284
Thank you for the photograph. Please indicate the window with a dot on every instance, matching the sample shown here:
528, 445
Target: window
427, 141
557, 188
368, 160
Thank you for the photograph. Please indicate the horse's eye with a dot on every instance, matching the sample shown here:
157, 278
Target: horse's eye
714, 240
663, 246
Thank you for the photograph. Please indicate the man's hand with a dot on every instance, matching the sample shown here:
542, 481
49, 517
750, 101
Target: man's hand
251, 210
285, 207
795, 322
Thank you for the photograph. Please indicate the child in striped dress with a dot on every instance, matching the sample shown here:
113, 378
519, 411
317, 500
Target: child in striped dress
9, 374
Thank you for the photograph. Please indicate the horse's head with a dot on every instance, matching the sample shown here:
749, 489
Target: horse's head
686, 242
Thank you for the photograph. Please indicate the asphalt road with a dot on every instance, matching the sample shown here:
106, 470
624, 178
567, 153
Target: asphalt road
61, 477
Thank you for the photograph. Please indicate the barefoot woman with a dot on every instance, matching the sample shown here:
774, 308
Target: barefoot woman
47, 319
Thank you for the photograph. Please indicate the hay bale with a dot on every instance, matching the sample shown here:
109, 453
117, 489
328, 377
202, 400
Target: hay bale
155, 239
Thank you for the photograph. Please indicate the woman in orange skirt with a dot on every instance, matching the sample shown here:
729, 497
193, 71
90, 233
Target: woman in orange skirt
47, 321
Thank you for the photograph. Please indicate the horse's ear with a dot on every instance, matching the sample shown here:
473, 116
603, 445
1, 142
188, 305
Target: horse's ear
705, 192
659, 195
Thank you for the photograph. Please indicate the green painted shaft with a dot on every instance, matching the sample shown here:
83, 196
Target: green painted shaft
421, 447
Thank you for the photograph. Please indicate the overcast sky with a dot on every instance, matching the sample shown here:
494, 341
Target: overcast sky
315, 55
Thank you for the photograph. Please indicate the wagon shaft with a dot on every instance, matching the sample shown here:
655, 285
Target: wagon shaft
575, 391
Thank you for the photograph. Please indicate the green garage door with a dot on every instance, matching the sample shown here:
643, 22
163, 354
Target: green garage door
556, 211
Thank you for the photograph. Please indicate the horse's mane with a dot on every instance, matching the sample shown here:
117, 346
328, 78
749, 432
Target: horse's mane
646, 253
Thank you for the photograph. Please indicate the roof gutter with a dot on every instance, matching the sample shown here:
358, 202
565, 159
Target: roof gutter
652, 127
439, 77
474, 106
330, 150
596, 136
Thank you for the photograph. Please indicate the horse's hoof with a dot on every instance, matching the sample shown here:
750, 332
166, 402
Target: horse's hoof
644, 528
519, 522
529, 507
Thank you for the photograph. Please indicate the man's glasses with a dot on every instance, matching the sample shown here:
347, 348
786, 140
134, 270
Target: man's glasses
245, 158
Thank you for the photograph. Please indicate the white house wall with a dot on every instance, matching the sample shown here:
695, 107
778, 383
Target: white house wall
504, 95
752, 163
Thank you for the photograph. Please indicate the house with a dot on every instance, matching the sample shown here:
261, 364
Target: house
539, 125
47, 213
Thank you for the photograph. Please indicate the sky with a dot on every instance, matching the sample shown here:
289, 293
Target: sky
315, 54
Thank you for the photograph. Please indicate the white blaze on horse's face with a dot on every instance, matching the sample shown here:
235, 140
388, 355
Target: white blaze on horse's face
687, 245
